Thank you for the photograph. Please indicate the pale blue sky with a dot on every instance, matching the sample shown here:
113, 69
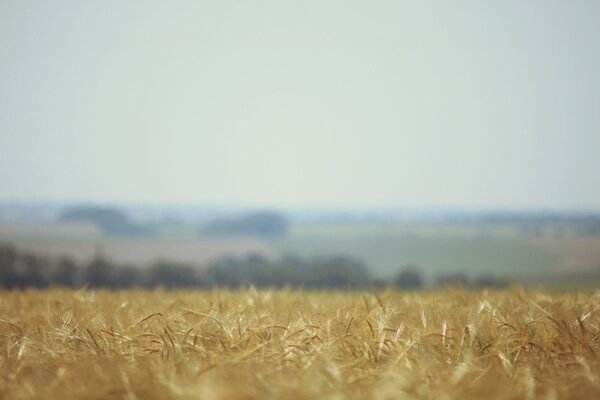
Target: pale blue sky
302, 103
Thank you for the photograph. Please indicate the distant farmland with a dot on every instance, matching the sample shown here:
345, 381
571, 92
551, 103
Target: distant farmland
500, 251
446, 248
83, 244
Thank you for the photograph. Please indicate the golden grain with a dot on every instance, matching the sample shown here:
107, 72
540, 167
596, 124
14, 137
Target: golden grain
220, 344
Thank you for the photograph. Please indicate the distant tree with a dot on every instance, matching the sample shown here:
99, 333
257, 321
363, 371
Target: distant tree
335, 272
8, 274
66, 273
34, 271
266, 223
457, 279
128, 277
171, 275
491, 282
409, 278
110, 220
100, 273
225, 272
379, 283
256, 258
24, 270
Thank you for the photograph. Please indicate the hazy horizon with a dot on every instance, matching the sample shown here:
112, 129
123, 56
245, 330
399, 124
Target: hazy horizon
318, 104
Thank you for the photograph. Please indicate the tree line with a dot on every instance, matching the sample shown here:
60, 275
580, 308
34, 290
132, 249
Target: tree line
20, 270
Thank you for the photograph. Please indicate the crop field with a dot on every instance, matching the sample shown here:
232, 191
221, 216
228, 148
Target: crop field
446, 344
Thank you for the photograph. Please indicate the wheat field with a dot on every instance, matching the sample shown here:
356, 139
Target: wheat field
249, 344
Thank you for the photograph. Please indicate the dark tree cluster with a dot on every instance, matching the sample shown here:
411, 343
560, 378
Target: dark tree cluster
462, 281
265, 223
111, 221
335, 272
21, 270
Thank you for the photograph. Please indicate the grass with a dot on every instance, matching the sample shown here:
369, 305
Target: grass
250, 344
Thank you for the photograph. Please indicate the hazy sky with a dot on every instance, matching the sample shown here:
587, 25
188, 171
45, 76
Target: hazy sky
466, 103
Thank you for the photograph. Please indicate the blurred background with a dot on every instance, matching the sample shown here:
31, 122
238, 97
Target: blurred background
306, 144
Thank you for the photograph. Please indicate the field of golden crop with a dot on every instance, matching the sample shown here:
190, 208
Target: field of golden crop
219, 344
